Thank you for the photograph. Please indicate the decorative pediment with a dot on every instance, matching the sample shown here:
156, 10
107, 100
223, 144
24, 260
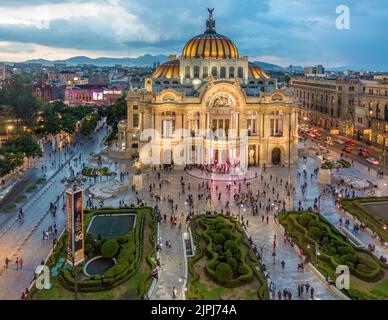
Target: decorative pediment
221, 101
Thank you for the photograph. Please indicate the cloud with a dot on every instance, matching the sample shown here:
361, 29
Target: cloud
288, 31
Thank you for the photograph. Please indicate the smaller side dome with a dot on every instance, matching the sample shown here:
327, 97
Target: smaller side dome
167, 70
255, 72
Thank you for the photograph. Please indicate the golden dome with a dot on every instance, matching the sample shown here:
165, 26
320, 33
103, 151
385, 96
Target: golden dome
210, 44
169, 69
256, 72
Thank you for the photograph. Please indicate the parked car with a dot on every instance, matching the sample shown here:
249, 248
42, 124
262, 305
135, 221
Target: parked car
373, 161
349, 143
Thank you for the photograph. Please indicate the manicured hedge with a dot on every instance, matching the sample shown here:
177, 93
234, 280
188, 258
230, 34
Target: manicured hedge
334, 248
367, 216
227, 249
128, 257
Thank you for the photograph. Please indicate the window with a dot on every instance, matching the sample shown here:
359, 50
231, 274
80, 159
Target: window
135, 120
205, 72
167, 128
231, 72
187, 72
251, 126
240, 72
214, 71
276, 126
135, 107
196, 72
223, 72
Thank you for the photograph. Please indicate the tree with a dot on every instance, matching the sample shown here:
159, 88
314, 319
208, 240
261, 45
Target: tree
9, 162
67, 123
19, 95
22, 143
89, 124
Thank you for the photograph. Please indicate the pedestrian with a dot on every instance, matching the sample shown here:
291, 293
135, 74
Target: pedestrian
21, 263
174, 292
7, 261
17, 263
283, 264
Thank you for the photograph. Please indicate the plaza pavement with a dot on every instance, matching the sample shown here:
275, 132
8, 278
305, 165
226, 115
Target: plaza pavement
25, 239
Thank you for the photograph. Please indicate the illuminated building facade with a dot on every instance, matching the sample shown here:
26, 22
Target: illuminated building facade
211, 88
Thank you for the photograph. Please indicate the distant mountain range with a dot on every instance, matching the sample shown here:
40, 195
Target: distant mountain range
148, 60
141, 61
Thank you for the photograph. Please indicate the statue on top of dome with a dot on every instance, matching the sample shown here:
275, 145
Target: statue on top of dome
210, 23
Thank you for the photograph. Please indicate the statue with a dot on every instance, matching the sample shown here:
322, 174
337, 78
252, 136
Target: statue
137, 165
210, 23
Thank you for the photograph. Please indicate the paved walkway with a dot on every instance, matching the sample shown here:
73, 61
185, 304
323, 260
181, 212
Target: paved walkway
25, 239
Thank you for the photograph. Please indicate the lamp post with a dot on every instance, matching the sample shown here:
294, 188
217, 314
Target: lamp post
9, 128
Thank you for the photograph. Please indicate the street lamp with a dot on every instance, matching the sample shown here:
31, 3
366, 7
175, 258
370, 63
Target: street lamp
9, 128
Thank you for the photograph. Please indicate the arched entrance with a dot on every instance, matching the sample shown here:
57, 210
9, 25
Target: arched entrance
276, 156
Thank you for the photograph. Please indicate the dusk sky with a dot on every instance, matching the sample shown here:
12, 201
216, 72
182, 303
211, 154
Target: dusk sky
284, 32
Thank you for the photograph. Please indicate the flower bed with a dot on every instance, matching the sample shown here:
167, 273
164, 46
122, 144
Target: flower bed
92, 172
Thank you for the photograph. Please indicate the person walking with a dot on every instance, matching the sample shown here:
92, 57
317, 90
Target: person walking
17, 263
174, 292
7, 261
21, 263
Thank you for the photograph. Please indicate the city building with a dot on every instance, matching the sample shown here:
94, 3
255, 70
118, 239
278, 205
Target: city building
210, 87
314, 71
372, 120
329, 103
91, 95
99, 79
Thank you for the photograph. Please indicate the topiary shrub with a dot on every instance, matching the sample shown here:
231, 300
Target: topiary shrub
219, 238
243, 269
227, 233
110, 248
313, 223
224, 272
315, 233
304, 219
231, 245
233, 263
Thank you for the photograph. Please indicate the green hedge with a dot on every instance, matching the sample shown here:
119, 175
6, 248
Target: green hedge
367, 216
128, 258
229, 263
334, 248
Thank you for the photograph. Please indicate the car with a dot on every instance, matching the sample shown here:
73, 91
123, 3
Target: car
340, 141
374, 161
347, 149
349, 143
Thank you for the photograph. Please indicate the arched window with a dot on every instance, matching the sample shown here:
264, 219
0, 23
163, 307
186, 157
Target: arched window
223, 72
205, 72
240, 72
196, 72
214, 71
231, 72
157, 82
166, 82
187, 72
